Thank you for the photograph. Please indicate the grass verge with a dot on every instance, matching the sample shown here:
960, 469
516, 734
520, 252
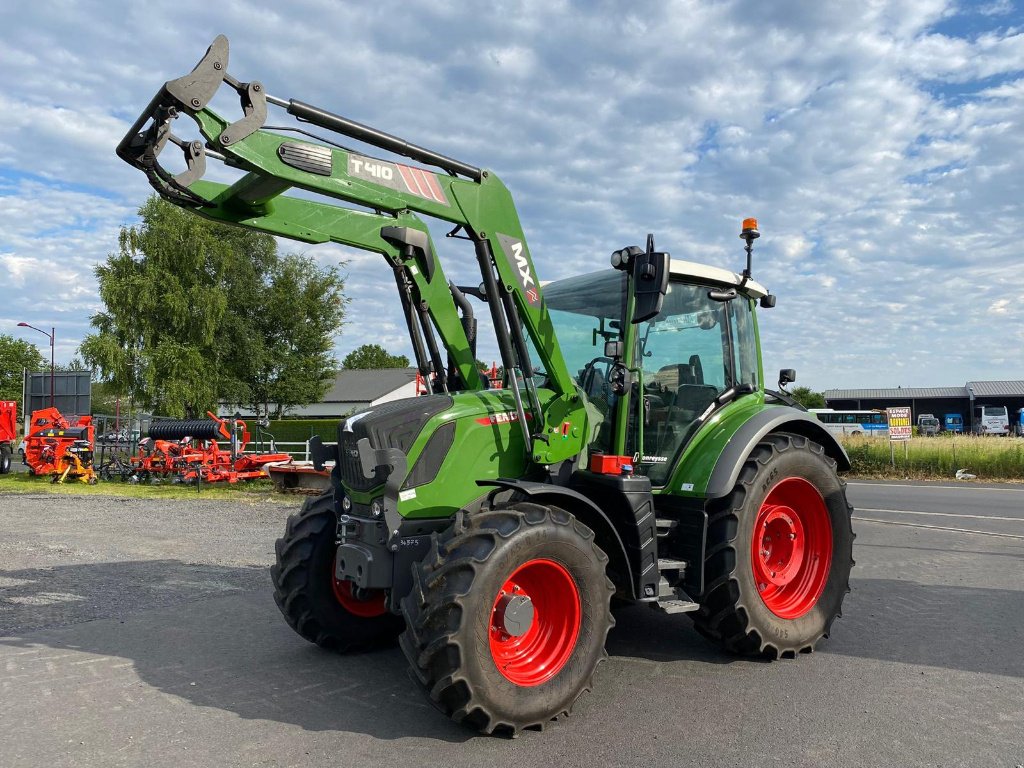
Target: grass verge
992, 459
253, 492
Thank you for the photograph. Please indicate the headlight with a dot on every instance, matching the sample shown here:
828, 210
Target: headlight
346, 504
376, 508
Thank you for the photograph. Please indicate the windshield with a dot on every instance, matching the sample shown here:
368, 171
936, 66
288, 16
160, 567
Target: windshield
694, 350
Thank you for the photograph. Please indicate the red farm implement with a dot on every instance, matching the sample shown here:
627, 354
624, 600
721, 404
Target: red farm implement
60, 446
191, 451
8, 433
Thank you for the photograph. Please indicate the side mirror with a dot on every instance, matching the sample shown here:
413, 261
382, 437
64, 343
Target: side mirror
786, 376
650, 284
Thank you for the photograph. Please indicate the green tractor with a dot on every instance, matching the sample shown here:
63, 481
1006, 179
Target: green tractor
632, 455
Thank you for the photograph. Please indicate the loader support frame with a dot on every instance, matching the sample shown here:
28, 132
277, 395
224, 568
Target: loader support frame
390, 198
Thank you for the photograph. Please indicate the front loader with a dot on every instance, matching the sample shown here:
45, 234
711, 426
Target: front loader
632, 453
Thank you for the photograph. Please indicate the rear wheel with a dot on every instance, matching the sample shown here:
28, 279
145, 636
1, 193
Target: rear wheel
5, 459
779, 552
320, 608
508, 615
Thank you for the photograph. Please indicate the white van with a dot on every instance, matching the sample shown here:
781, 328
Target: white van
991, 420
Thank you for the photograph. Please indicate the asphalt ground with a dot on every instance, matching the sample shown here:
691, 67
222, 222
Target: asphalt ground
142, 633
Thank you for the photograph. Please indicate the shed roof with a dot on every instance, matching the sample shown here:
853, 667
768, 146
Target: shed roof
364, 385
897, 393
997, 388
1009, 388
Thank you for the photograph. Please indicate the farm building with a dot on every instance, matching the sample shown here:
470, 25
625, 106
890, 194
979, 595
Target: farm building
937, 401
353, 390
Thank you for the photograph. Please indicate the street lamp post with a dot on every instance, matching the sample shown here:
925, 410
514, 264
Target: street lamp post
50, 336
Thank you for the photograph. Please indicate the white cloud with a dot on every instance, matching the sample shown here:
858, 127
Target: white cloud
882, 157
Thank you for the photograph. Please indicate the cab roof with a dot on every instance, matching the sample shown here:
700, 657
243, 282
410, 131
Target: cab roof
704, 272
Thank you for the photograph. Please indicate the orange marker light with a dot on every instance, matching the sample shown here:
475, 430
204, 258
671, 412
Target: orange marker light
750, 223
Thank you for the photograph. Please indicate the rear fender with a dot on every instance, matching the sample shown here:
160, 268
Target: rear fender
771, 420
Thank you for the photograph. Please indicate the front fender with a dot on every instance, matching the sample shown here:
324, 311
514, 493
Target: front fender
587, 512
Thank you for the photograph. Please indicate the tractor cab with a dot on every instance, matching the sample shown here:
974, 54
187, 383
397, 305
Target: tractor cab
695, 355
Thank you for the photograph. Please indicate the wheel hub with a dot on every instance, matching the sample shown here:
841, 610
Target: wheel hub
514, 613
782, 543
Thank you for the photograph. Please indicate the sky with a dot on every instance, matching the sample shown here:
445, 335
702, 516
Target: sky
879, 144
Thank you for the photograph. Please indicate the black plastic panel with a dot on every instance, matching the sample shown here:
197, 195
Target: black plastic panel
306, 157
428, 463
393, 425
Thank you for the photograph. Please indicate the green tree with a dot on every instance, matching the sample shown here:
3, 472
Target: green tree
76, 364
300, 309
373, 356
15, 356
104, 400
807, 397
197, 312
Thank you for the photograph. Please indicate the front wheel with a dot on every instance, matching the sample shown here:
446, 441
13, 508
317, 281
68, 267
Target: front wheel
317, 606
508, 615
779, 552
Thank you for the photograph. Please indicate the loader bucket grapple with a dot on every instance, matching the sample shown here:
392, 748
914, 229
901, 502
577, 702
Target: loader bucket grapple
632, 450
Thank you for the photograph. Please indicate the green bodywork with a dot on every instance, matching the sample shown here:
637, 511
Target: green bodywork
358, 196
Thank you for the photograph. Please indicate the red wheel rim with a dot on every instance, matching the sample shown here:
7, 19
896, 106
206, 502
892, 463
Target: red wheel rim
374, 604
791, 548
539, 653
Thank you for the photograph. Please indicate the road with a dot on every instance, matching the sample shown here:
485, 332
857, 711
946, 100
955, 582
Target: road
143, 633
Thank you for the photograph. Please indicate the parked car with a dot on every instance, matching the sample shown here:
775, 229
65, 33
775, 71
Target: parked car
927, 425
954, 422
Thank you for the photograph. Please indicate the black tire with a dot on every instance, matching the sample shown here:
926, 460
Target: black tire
732, 612
448, 615
5, 459
303, 585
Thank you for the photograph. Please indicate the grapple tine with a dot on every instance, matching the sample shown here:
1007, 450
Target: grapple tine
194, 90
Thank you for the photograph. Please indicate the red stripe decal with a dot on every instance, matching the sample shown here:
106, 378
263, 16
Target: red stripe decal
504, 417
422, 183
435, 188
407, 177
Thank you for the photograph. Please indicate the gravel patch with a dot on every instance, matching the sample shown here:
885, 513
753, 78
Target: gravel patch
69, 559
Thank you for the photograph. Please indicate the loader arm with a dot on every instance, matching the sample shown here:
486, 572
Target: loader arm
389, 198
